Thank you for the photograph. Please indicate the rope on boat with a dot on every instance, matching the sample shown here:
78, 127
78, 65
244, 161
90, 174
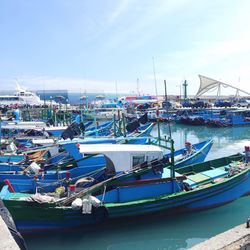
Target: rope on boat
44, 185
104, 192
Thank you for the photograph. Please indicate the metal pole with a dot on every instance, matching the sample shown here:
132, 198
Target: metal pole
0, 133
119, 122
172, 159
165, 85
158, 126
172, 165
96, 132
185, 89
114, 125
124, 127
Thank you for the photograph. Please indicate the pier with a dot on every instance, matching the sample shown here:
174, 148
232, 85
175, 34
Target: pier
235, 238
6, 239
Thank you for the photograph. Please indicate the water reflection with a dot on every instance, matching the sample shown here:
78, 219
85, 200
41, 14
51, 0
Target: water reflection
204, 133
226, 140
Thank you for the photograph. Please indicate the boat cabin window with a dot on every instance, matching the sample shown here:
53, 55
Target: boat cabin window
137, 159
150, 158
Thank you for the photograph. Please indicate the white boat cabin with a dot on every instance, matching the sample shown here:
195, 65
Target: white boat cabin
124, 156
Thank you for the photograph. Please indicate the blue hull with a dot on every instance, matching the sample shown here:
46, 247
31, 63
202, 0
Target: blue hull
182, 202
11, 158
200, 152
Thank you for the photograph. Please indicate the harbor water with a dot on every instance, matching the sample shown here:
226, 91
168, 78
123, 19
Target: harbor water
162, 231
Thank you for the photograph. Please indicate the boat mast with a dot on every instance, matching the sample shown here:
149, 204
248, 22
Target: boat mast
166, 102
0, 133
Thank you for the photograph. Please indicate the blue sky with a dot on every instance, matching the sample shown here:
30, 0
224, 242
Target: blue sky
96, 45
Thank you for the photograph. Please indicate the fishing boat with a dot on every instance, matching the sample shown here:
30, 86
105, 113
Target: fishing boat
136, 100
100, 130
192, 154
23, 97
194, 187
232, 118
88, 160
143, 130
38, 130
78, 149
16, 150
199, 117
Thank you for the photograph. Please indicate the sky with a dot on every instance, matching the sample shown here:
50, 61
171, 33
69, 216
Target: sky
124, 46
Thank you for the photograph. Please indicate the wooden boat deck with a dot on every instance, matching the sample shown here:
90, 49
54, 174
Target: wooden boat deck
206, 176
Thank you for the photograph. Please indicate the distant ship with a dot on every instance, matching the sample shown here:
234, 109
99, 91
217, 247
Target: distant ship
22, 97
139, 99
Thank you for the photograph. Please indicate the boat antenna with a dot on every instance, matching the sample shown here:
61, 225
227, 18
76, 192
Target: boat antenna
44, 102
116, 89
18, 86
137, 85
155, 77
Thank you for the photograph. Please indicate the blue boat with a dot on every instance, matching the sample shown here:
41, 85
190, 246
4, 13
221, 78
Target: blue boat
83, 166
57, 131
197, 154
100, 130
143, 130
232, 118
87, 161
11, 158
194, 187
199, 117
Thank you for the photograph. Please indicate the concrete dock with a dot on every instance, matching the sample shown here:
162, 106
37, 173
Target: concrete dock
6, 240
235, 238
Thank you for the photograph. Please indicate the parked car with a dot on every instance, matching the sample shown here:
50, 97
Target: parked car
242, 103
201, 104
166, 104
222, 103
187, 104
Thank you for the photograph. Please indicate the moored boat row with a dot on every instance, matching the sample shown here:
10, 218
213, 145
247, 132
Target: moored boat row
192, 188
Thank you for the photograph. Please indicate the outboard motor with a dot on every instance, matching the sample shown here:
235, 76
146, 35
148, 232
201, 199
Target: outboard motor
247, 154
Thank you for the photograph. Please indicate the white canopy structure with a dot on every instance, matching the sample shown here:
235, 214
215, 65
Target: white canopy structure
207, 84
